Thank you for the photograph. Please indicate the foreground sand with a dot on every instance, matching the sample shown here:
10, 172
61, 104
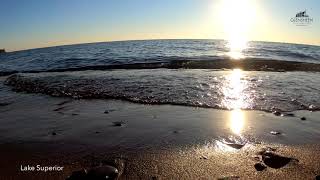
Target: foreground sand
150, 141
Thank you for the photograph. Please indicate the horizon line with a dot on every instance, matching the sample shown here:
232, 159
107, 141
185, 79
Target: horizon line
96, 42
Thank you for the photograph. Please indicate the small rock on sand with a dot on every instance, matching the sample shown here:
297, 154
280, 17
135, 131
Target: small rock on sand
274, 160
108, 111
53, 133
288, 114
303, 118
118, 123
260, 167
276, 113
275, 132
203, 157
4, 104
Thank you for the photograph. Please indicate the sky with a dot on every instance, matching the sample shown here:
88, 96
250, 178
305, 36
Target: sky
42, 23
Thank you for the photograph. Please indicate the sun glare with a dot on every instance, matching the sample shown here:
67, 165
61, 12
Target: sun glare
237, 121
237, 17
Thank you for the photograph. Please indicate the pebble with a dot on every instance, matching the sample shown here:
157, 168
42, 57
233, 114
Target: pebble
303, 118
276, 113
288, 114
54, 133
260, 167
275, 133
203, 157
108, 111
4, 104
118, 123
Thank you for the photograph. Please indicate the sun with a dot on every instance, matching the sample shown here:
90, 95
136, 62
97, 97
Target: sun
237, 17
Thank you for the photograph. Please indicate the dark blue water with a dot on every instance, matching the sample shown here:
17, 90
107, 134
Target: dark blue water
129, 52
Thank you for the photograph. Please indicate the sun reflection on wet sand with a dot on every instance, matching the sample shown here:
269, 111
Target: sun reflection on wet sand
235, 99
237, 120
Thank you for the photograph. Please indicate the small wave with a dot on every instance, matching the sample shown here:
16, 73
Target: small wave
248, 64
189, 87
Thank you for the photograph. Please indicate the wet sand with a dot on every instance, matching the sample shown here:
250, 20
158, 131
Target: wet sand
153, 141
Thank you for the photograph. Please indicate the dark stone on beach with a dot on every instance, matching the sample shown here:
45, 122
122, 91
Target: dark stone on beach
97, 132
103, 172
108, 111
275, 132
288, 114
274, 160
260, 167
276, 113
78, 175
118, 123
53, 133
4, 104
303, 118
204, 157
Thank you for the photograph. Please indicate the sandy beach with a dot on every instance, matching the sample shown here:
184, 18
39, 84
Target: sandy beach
153, 141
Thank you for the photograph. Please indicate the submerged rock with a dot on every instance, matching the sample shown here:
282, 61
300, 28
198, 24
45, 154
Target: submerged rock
260, 166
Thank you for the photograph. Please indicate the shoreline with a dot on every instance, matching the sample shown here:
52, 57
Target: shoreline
153, 141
